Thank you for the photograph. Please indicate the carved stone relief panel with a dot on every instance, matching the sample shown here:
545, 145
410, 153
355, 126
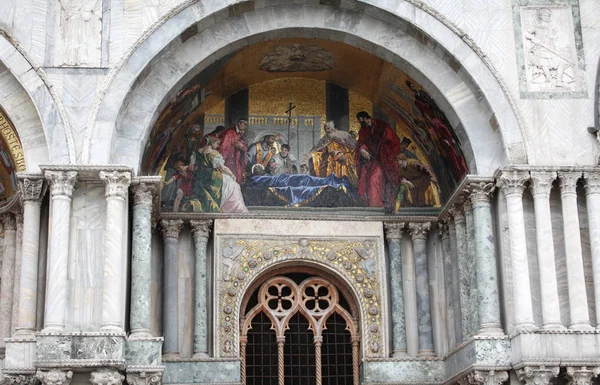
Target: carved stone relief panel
357, 261
549, 49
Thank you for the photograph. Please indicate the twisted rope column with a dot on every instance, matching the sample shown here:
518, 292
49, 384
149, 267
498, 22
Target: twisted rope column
318, 371
280, 360
355, 360
243, 343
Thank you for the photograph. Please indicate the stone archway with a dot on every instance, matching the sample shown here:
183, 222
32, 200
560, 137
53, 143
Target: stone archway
131, 102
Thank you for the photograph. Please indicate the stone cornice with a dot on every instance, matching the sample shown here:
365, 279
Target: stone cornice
87, 172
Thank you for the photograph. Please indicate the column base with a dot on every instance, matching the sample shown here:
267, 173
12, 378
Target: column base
53, 329
24, 332
111, 329
171, 356
400, 354
525, 327
581, 326
426, 353
140, 334
554, 326
200, 355
491, 330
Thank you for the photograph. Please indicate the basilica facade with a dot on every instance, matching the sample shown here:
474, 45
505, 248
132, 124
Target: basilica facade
300, 192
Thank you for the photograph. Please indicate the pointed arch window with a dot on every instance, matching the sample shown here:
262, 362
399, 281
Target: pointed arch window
299, 334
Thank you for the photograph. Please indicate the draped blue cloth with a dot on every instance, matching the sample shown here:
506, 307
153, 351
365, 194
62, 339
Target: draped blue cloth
299, 189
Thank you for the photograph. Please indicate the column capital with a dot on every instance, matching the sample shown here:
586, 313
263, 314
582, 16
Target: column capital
55, 377
485, 377
457, 213
592, 182
480, 192
467, 206
393, 230
443, 227
538, 375
144, 378
419, 230
117, 183
171, 227
143, 193
32, 187
568, 181
20, 379
512, 182
106, 377
581, 375
541, 182
61, 183
201, 228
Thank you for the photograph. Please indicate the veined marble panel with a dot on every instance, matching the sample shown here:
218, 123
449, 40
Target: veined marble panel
403, 372
77, 350
203, 372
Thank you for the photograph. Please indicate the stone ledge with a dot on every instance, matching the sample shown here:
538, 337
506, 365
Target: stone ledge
555, 349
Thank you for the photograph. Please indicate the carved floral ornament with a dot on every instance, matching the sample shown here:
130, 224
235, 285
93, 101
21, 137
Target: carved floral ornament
356, 262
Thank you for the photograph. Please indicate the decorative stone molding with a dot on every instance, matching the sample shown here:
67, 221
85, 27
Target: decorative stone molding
62, 183
581, 375
106, 377
568, 182
20, 379
55, 377
171, 227
592, 182
117, 183
480, 192
32, 187
201, 228
541, 182
144, 378
512, 182
540, 375
485, 377
393, 230
419, 230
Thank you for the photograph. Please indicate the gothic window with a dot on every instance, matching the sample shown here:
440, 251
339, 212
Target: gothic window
299, 334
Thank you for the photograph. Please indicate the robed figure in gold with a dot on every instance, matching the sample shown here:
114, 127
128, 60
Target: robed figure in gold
335, 154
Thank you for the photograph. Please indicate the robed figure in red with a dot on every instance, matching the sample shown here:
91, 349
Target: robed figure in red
378, 146
233, 148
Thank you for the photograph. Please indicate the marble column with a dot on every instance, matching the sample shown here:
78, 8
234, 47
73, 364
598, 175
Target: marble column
62, 184
592, 197
541, 184
460, 226
512, 184
106, 377
537, 375
470, 277
200, 231
448, 282
141, 261
17, 273
393, 235
488, 299
580, 317
55, 377
170, 231
113, 288
8, 276
419, 238
33, 189
454, 275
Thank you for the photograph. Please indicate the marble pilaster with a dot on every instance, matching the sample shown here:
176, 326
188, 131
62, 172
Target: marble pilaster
580, 318
200, 231
488, 299
581, 375
462, 263
419, 233
541, 184
470, 278
33, 189
106, 377
592, 197
537, 375
512, 184
62, 184
393, 235
8, 269
113, 290
55, 377
444, 232
17, 272
170, 230
454, 275
141, 264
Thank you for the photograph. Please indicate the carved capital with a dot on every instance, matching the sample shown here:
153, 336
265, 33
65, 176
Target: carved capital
144, 378
443, 228
480, 192
540, 375
54, 377
457, 213
106, 377
592, 182
20, 379
117, 183
10, 222
485, 377
581, 375
32, 187
467, 206
143, 193
418, 231
568, 182
171, 227
541, 182
393, 230
201, 228
61, 182
512, 183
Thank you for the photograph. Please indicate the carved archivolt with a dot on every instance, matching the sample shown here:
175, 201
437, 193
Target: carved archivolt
357, 263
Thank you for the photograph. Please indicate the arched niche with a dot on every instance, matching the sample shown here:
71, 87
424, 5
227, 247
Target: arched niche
447, 67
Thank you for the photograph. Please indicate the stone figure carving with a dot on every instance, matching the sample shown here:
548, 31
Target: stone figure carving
550, 52
78, 19
154, 9
231, 258
296, 58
